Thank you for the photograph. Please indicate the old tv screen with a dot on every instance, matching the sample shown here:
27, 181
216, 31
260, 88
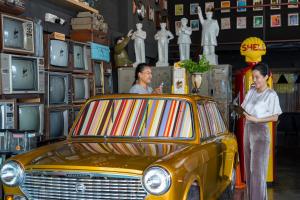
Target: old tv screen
24, 74
78, 56
13, 33
29, 118
80, 88
98, 75
58, 89
57, 122
59, 53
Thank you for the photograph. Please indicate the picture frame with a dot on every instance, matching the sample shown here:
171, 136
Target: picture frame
225, 4
240, 4
241, 22
194, 8
179, 9
177, 26
258, 3
195, 25
209, 6
293, 19
225, 23
274, 5
151, 14
294, 4
276, 21
258, 21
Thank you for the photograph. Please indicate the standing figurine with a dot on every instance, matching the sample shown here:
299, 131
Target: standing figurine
210, 32
163, 37
120, 53
184, 39
139, 37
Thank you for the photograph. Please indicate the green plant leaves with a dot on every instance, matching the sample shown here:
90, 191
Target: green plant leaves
193, 67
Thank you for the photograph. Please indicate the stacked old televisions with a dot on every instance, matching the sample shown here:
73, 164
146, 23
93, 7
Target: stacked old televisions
21, 82
69, 83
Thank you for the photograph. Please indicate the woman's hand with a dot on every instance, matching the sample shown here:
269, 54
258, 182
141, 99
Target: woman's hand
251, 118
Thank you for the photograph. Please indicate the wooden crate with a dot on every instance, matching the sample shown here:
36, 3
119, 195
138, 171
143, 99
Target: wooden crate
90, 36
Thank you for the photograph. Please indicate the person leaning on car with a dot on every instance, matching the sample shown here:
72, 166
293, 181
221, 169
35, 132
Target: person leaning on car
143, 77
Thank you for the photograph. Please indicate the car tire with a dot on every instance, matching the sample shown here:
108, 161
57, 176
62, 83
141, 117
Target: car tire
229, 192
194, 193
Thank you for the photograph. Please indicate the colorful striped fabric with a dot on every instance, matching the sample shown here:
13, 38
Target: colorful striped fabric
204, 127
215, 119
136, 117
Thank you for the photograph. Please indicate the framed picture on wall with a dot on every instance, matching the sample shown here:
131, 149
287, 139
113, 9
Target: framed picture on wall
240, 6
257, 5
209, 6
258, 21
151, 13
241, 23
194, 8
224, 5
293, 3
275, 21
178, 9
225, 23
275, 4
293, 19
177, 26
194, 24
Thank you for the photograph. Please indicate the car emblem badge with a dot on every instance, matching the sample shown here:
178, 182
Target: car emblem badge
80, 188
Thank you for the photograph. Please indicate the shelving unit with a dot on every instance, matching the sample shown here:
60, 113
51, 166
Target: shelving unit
74, 5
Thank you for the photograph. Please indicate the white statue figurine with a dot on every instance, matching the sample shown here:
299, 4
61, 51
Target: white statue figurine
184, 39
163, 37
139, 37
210, 32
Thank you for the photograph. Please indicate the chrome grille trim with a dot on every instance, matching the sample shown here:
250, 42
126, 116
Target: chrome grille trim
44, 185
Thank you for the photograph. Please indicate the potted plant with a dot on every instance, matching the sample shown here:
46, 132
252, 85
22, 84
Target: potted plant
196, 69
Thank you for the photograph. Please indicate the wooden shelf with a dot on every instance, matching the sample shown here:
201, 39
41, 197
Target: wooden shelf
74, 5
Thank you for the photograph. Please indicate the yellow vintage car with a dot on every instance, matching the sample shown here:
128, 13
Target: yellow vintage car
132, 147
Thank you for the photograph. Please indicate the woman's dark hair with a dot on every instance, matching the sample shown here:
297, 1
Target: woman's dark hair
262, 68
140, 68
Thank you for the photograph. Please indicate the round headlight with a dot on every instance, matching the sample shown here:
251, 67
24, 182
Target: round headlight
156, 180
12, 174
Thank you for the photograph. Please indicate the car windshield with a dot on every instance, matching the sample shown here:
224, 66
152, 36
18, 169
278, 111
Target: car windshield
159, 118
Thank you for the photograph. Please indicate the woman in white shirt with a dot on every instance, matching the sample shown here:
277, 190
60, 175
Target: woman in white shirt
262, 106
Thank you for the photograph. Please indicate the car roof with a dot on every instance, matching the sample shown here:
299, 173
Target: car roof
188, 97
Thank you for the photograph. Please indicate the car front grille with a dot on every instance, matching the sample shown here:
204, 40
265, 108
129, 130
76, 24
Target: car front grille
40, 185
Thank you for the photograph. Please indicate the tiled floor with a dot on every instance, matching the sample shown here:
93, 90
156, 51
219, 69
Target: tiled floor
287, 185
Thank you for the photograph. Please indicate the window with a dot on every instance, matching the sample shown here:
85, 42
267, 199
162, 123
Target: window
204, 128
136, 118
215, 120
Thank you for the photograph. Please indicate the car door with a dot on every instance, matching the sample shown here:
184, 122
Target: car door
210, 153
217, 128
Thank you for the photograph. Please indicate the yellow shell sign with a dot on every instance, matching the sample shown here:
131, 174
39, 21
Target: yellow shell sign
253, 49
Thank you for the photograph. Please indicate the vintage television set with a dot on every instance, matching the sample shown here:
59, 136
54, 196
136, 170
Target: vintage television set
56, 54
81, 88
57, 121
8, 114
17, 35
75, 111
81, 57
98, 72
21, 74
58, 90
31, 117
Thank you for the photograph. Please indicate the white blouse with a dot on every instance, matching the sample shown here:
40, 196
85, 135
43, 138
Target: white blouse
262, 105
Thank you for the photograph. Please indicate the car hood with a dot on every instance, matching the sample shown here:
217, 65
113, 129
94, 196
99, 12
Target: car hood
114, 157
